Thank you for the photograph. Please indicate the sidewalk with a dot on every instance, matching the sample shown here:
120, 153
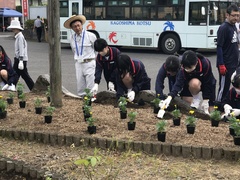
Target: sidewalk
6, 34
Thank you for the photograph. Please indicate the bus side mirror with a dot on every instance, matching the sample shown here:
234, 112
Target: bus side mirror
203, 10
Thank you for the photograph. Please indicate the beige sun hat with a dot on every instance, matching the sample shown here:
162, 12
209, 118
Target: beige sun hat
81, 18
15, 24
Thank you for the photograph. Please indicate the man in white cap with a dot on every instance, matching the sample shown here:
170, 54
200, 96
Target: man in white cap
82, 43
21, 56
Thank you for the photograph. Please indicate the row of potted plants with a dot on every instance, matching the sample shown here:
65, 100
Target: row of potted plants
22, 103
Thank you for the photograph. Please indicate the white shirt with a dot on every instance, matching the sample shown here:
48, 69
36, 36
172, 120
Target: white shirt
21, 46
88, 45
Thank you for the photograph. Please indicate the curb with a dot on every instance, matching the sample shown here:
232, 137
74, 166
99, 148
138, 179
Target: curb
148, 147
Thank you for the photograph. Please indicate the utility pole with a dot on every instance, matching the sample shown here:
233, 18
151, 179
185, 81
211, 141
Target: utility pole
54, 53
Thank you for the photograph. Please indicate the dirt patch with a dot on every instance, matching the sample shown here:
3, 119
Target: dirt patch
69, 120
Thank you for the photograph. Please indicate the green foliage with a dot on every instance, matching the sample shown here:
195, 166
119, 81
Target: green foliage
232, 120
49, 110
87, 97
38, 102
11, 95
236, 127
191, 120
89, 163
91, 121
29, 24
122, 104
48, 92
3, 105
87, 110
132, 115
161, 126
176, 112
156, 101
215, 114
20, 88
22, 97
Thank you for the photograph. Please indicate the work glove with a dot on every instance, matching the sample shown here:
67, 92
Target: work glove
205, 106
111, 86
20, 65
95, 89
5, 87
227, 111
131, 95
222, 69
165, 103
235, 112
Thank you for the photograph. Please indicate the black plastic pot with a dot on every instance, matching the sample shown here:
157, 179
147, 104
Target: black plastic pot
161, 136
92, 129
38, 110
22, 104
48, 119
131, 126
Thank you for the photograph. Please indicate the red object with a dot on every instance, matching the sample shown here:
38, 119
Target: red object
25, 8
222, 69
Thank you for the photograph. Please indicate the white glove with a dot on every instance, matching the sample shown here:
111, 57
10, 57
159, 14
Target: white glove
20, 65
227, 110
166, 102
131, 96
95, 89
5, 87
161, 104
111, 86
205, 106
235, 112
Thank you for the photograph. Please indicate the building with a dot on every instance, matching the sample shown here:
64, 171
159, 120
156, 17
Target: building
9, 3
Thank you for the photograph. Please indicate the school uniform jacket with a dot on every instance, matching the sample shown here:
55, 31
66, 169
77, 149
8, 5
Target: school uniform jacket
159, 85
232, 98
107, 66
203, 72
141, 81
6, 64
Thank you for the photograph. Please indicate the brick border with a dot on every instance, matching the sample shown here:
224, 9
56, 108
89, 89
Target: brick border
21, 168
149, 147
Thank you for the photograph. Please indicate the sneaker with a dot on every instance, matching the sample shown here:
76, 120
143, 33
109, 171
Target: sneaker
11, 87
196, 103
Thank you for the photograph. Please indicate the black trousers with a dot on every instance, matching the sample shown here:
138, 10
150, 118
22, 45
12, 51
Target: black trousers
39, 33
23, 73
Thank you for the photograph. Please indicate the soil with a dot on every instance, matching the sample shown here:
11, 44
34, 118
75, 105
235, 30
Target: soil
69, 120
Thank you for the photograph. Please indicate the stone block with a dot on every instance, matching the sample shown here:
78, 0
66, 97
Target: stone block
111, 144
69, 140
176, 150
3, 164
16, 134
60, 140
197, 152
31, 136
137, 146
24, 135
93, 142
120, 145
217, 153
147, 147
186, 151
206, 153
167, 149
10, 166
46, 138
102, 143
53, 139
156, 148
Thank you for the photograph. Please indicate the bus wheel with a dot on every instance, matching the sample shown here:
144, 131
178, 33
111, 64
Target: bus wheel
170, 44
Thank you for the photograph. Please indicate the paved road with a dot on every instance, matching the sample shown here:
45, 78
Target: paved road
39, 61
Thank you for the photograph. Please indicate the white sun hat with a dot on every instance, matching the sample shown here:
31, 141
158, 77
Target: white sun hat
15, 24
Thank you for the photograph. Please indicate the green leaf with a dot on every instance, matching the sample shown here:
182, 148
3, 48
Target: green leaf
93, 161
82, 161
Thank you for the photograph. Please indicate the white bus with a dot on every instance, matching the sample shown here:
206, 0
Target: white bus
168, 25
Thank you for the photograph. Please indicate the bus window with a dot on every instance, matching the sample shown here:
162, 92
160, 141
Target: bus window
195, 14
63, 8
75, 8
